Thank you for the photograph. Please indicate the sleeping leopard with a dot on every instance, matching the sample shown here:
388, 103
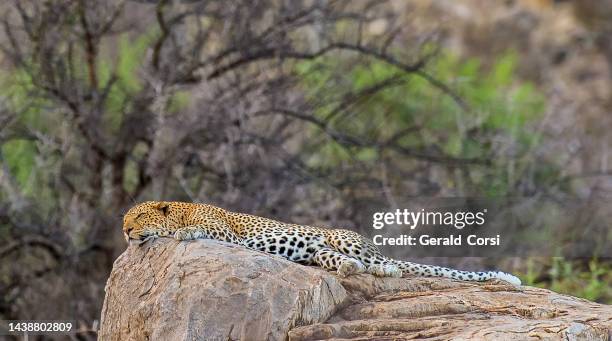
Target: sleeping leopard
343, 251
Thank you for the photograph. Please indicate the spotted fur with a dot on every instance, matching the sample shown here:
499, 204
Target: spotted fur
343, 251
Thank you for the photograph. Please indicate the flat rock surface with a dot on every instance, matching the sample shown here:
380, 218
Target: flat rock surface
210, 290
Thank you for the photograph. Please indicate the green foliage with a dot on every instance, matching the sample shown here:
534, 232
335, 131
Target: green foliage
125, 68
118, 68
178, 101
20, 96
19, 153
19, 156
592, 282
498, 127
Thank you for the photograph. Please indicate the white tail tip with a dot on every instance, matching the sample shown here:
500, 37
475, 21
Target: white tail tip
508, 278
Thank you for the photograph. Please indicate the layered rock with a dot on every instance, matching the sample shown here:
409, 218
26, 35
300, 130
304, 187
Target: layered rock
209, 290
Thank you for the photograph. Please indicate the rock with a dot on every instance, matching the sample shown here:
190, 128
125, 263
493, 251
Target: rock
209, 290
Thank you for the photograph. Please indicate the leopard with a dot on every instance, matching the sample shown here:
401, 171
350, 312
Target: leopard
342, 251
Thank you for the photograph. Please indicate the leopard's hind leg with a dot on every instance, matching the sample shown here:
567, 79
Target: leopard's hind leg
354, 245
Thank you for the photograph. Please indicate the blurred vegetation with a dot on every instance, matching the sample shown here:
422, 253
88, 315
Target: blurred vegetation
590, 280
497, 128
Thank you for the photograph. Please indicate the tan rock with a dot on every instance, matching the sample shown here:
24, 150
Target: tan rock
209, 290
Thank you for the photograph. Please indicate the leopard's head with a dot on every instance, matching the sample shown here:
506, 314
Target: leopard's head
146, 219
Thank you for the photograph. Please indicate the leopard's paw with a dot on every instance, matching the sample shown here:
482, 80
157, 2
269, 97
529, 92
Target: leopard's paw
350, 267
385, 270
183, 234
146, 239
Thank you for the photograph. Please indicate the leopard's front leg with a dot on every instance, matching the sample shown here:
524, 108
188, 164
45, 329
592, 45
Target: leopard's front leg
217, 231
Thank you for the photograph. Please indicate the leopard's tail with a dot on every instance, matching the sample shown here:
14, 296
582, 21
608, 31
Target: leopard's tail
439, 271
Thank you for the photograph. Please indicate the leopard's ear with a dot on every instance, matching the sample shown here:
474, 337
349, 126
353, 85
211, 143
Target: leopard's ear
164, 207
